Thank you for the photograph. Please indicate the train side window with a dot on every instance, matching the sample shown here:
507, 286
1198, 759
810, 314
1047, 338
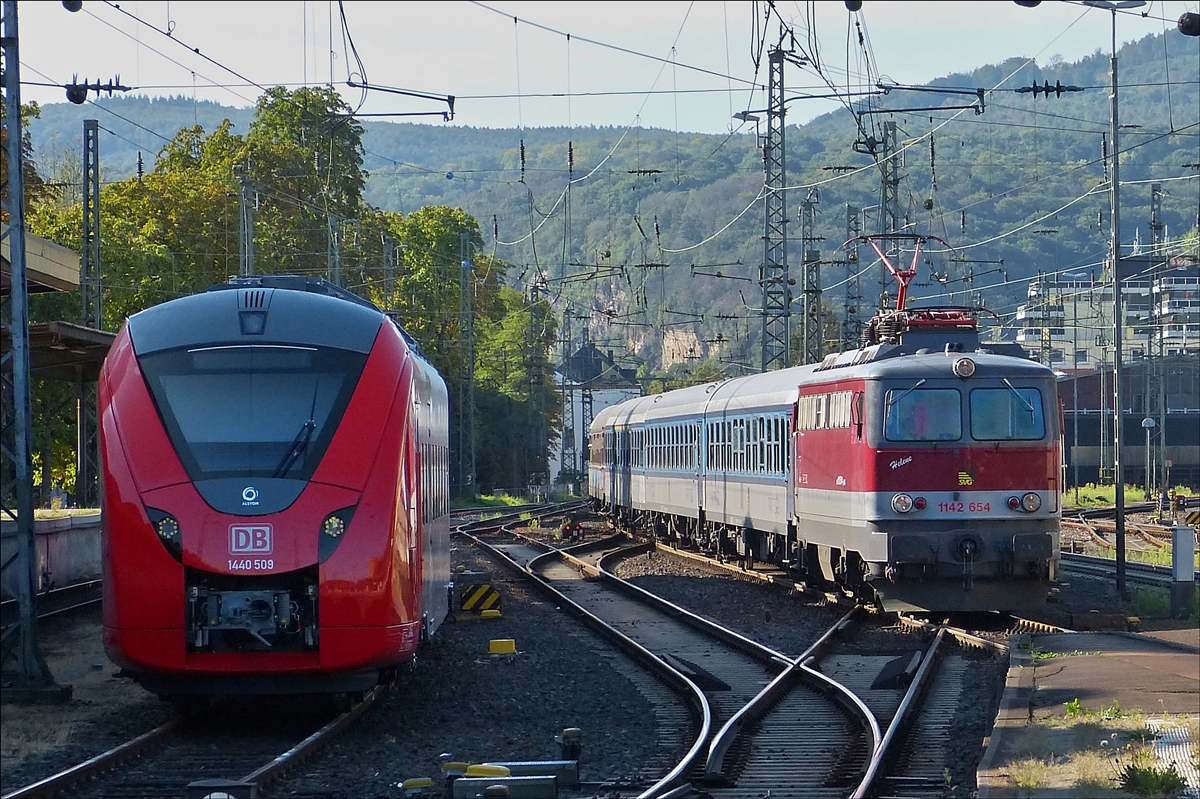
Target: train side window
932, 414
1007, 414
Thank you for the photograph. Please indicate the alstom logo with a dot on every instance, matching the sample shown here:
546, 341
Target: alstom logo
253, 538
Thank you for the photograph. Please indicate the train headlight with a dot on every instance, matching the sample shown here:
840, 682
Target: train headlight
333, 529
964, 367
919, 503
167, 528
902, 503
1031, 502
1014, 503
333, 526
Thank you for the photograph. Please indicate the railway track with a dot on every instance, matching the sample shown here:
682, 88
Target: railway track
240, 753
1135, 571
774, 740
56, 601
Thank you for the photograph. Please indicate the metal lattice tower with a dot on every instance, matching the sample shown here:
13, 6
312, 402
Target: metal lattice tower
776, 330
852, 302
537, 444
1156, 395
569, 453
89, 264
587, 409
16, 461
811, 347
87, 443
889, 210
466, 372
1045, 342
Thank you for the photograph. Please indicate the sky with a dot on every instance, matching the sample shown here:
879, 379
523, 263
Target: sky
685, 66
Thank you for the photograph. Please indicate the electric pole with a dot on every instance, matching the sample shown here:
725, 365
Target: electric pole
17, 481
776, 302
247, 202
811, 350
87, 443
466, 372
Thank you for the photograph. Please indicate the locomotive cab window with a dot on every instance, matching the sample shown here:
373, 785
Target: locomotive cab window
259, 411
1007, 414
929, 414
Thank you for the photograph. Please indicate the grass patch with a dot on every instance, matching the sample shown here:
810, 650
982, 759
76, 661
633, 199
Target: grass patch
486, 501
1094, 496
1030, 774
1094, 752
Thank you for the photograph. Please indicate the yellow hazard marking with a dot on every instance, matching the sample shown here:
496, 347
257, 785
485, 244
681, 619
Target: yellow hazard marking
480, 597
1193, 518
502, 646
483, 770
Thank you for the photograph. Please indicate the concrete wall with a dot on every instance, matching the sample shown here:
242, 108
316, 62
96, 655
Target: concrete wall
68, 551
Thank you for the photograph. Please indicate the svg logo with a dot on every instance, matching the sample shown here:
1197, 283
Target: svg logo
255, 538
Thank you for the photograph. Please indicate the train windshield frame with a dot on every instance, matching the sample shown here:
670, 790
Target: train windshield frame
922, 414
1008, 413
252, 411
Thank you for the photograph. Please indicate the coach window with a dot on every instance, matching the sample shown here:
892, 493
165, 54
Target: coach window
913, 414
1007, 414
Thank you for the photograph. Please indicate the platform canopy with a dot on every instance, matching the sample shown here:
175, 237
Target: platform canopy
57, 350
48, 266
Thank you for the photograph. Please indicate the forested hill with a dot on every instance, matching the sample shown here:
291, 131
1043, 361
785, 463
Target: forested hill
1021, 183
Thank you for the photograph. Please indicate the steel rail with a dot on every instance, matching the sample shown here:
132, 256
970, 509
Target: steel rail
294, 756
794, 669
884, 750
57, 783
675, 679
1145, 573
55, 601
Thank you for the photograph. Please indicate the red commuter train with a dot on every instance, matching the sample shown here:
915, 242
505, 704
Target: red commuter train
276, 492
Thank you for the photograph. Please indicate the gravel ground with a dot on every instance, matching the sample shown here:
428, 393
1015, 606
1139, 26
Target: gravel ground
461, 702
458, 702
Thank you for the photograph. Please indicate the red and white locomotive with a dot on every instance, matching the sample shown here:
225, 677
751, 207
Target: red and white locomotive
922, 471
276, 510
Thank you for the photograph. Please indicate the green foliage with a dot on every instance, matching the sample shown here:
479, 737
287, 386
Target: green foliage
1076, 710
175, 231
1138, 773
1009, 169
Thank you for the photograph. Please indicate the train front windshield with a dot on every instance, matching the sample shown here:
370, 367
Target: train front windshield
252, 411
1007, 413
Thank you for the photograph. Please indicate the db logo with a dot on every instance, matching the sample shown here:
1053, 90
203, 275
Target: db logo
250, 538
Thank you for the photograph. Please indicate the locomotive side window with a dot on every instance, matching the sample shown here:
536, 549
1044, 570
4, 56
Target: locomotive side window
261, 411
931, 414
1007, 414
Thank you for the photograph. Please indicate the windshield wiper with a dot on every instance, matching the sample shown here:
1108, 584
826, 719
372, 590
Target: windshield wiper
893, 400
1017, 394
299, 443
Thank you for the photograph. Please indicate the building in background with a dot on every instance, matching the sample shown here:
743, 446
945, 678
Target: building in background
590, 380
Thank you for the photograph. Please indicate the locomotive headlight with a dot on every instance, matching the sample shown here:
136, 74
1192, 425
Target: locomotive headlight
964, 367
167, 528
902, 503
333, 526
1014, 503
1031, 502
919, 503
